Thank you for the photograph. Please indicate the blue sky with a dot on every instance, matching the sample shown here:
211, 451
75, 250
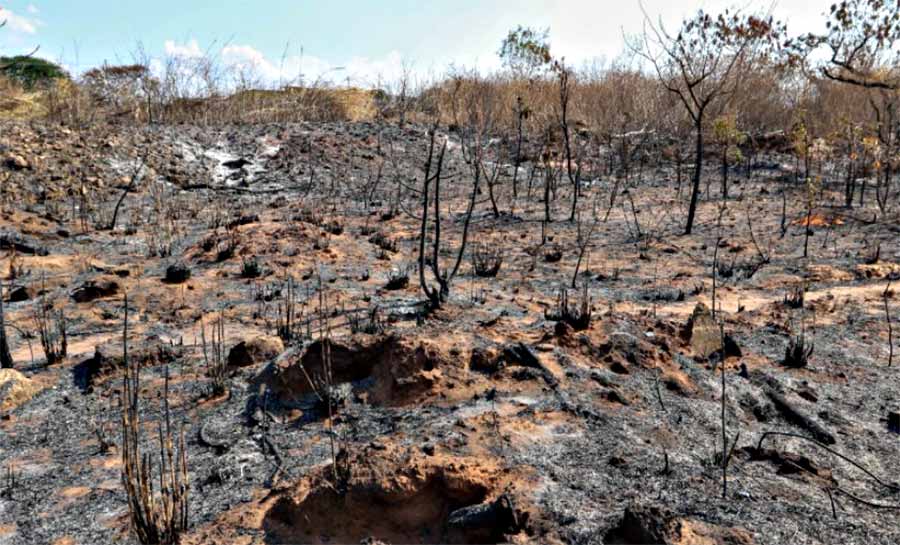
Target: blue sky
354, 39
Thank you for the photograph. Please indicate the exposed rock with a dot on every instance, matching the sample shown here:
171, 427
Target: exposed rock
615, 395
15, 389
807, 392
703, 332
485, 522
255, 351
731, 349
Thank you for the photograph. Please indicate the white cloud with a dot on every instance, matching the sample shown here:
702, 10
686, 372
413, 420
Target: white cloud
190, 50
18, 23
358, 71
32, 9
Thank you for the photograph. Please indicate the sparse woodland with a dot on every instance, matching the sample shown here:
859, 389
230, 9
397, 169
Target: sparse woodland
651, 300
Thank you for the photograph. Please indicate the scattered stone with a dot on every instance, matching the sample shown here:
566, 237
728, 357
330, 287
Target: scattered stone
604, 378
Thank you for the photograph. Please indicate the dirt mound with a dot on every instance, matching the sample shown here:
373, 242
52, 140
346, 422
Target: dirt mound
387, 370
15, 389
397, 496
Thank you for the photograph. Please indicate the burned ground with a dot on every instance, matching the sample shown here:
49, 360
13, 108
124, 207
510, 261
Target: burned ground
486, 421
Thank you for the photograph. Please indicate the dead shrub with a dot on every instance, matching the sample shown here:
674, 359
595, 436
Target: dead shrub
578, 316
486, 261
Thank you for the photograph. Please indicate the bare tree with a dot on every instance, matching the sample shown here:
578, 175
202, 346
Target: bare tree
434, 165
701, 65
564, 75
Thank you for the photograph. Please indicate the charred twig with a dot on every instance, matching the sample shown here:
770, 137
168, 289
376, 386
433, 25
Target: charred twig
765, 435
887, 317
134, 178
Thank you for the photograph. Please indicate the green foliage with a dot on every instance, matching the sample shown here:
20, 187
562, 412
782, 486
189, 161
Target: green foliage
800, 139
526, 50
30, 72
727, 135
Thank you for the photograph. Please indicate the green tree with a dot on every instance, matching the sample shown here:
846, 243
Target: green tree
729, 138
526, 51
30, 72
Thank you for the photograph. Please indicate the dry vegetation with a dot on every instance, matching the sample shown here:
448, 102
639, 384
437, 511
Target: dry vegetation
652, 301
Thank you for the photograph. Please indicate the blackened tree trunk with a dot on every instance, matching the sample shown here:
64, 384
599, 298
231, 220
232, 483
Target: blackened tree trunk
6, 361
698, 167
725, 173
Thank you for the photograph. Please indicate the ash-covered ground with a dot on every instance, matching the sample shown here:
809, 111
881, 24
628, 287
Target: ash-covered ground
497, 418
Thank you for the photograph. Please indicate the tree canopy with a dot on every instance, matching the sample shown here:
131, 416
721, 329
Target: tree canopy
30, 72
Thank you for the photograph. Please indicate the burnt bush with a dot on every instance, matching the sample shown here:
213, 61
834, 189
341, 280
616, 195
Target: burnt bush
486, 261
